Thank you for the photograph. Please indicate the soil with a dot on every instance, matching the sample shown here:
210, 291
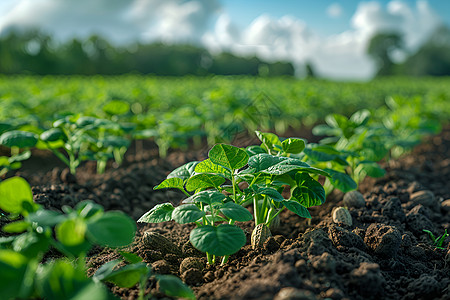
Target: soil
384, 254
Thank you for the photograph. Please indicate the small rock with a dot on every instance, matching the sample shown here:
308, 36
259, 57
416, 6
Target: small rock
415, 186
384, 240
421, 210
416, 223
192, 276
341, 215
334, 294
291, 293
354, 199
156, 241
445, 205
161, 267
191, 262
426, 198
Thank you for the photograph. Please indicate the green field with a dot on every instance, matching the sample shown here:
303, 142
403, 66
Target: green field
154, 98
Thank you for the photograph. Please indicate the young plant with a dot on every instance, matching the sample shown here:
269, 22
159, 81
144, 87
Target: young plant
228, 180
407, 120
37, 230
439, 241
352, 146
86, 138
318, 156
20, 143
137, 272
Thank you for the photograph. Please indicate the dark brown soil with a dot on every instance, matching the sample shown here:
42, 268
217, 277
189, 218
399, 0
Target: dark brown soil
384, 254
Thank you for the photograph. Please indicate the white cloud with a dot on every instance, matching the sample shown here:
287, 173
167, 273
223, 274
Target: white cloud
120, 21
206, 22
334, 10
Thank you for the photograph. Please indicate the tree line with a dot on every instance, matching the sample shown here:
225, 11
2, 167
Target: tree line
431, 59
38, 53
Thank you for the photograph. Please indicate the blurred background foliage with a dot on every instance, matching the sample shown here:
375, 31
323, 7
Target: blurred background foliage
36, 53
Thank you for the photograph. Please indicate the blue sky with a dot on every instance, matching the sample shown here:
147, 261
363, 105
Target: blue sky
313, 13
332, 35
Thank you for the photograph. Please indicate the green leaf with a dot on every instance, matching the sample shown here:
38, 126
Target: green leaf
203, 180
236, 212
13, 268
185, 171
293, 145
61, 279
361, 117
173, 182
173, 286
16, 227
88, 209
13, 192
210, 219
112, 229
372, 169
292, 164
207, 166
17, 138
187, 213
309, 192
208, 197
20, 157
264, 161
71, 232
222, 240
342, 181
326, 130
228, 156
297, 208
31, 244
130, 257
4, 161
45, 217
269, 140
270, 192
125, 277
253, 150
322, 153
159, 213
116, 107
53, 135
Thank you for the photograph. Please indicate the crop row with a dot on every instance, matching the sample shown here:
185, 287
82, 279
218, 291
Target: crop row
278, 174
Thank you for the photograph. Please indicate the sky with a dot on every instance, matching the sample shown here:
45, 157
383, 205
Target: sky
331, 35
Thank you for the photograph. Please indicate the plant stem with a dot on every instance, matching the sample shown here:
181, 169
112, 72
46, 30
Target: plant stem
273, 217
101, 166
210, 258
256, 209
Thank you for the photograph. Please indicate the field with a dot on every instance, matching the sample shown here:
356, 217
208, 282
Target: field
240, 186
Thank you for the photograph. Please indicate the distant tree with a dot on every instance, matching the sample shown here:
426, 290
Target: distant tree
433, 58
380, 48
309, 70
